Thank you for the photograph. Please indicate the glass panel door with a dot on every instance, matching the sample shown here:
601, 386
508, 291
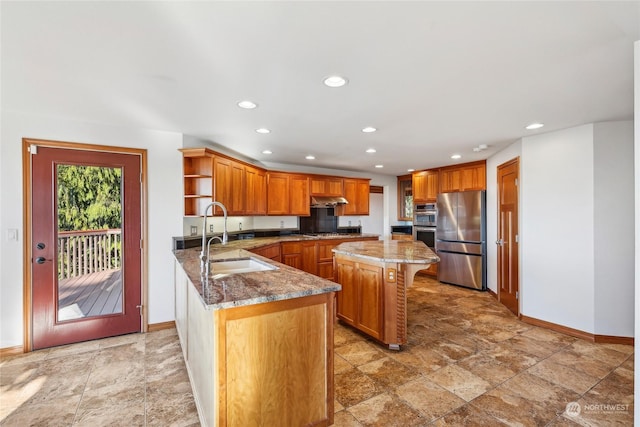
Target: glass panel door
89, 244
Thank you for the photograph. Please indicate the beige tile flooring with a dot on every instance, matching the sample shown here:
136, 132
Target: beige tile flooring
468, 362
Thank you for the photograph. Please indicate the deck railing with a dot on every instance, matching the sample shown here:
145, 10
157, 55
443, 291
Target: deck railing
84, 252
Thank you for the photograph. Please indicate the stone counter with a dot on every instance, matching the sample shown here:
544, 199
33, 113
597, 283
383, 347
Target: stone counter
233, 290
403, 252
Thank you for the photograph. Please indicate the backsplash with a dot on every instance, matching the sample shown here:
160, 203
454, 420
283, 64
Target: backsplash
193, 225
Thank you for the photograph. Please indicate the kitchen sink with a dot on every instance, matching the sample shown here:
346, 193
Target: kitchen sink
239, 265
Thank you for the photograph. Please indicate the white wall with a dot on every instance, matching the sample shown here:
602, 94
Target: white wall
509, 153
636, 68
165, 206
613, 225
556, 233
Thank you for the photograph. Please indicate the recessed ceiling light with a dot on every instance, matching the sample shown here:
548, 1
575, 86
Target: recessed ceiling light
411, 170
267, 152
456, 156
379, 166
263, 130
371, 150
248, 105
369, 129
533, 126
335, 81
310, 157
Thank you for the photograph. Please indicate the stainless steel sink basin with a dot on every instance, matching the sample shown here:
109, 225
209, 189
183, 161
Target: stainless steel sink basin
239, 265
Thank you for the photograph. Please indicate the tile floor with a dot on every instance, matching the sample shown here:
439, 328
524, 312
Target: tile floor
468, 362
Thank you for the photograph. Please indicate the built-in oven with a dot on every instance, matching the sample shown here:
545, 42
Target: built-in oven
426, 235
425, 215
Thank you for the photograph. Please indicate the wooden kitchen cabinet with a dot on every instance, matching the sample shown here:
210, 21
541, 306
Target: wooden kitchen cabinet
287, 194
197, 167
273, 252
356, 191
425, 186
405, 198
256, 191
330, 186
292, 254
209, 176
360, 301
262, 364
229, 186
466, 177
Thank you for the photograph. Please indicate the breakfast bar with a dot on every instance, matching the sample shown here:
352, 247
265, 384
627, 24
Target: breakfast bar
374, 276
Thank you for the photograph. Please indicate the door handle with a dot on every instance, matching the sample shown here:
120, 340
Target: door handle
500, 242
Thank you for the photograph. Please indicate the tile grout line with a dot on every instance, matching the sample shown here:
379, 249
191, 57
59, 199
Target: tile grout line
84, 388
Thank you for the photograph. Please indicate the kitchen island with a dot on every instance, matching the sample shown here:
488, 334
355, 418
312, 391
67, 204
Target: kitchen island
375, 276
258, 345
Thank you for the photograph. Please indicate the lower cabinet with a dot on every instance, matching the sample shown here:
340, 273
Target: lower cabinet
313, 256
272, 252
264, 364
360, 301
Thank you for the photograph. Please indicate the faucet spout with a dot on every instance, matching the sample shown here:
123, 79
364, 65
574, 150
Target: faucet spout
204, 252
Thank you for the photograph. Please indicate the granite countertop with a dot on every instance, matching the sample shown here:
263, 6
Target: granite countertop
404, 252
233, 290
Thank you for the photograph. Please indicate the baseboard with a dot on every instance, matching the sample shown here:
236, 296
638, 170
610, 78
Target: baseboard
493, 294
611, 339
153, 327
602, 339
11, 351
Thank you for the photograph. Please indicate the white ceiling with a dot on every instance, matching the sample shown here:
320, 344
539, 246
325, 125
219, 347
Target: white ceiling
435, 78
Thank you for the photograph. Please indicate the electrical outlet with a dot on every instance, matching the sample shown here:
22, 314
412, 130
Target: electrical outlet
194, 230
281, 224
240, 226
210, 228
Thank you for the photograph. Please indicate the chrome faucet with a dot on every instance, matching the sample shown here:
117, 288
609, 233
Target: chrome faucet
204, 253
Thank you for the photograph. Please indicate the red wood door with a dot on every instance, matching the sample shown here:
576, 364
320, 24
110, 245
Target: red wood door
508, 278
86, 280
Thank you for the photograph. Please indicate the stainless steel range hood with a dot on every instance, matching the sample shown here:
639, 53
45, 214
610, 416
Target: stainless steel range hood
327, 202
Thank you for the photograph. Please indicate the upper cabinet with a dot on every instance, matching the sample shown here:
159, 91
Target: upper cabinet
245, 189
287, 194
469, 176
405, 198
425, 186
197, 167
256, 191
210, 176
356, 191
326, 186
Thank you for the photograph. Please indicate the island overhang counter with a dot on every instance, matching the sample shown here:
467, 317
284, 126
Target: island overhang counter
374, 276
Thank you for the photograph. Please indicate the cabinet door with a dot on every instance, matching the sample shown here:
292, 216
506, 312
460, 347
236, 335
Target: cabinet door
299, 199
277, 193
473, 178
450, 180
369, 299
325, 186
310, 257
256, 191
431, 186
356, 191
238, 189
419, 186
222, 183
346, 298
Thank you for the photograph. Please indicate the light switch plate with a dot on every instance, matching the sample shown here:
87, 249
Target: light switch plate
12, 234
194, 230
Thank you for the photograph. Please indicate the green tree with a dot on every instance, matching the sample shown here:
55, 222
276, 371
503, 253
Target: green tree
89, 197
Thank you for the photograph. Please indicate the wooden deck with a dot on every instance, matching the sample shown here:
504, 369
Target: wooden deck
94, 294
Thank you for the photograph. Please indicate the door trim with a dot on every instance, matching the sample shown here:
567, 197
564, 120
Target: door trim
26, 223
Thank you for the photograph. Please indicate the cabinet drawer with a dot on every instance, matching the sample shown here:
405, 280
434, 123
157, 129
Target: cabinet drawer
291, 248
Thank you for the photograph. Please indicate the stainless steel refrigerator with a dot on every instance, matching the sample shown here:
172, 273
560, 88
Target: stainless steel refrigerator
461, 239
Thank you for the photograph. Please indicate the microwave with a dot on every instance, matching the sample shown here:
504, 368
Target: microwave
425, 215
